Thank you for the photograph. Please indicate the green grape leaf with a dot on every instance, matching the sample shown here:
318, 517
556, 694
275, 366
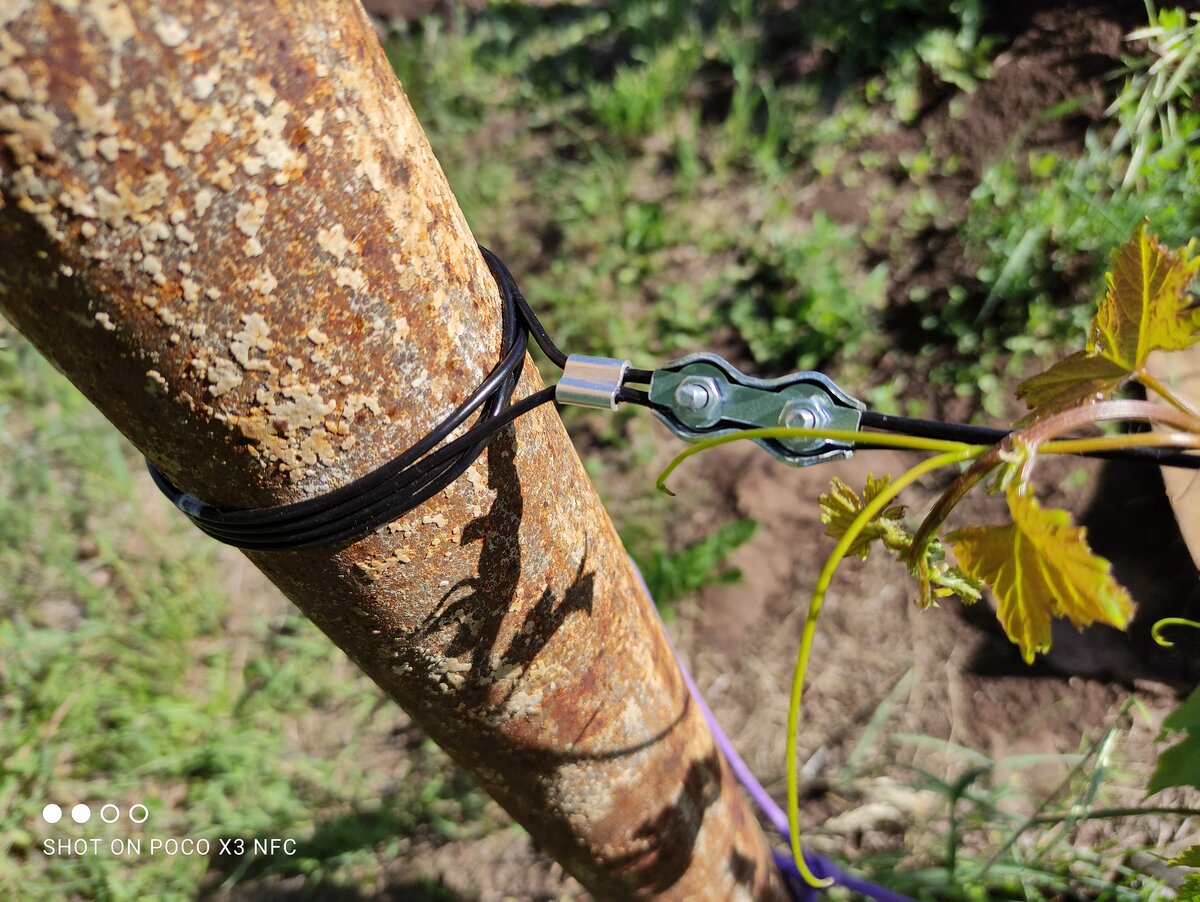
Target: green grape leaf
1147, 306
841, 504
1179, 765
935, 577
1072, 381
1039, 568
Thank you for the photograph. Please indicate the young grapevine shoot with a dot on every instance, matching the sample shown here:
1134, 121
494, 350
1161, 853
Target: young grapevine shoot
1038, 566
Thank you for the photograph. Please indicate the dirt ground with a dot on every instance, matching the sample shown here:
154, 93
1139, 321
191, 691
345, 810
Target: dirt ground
945, 674
893, 687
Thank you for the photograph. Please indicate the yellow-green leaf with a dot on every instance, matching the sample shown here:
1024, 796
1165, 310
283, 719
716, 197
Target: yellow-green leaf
937, 579
841, 504
1147, 306
1073, 380
1039, 568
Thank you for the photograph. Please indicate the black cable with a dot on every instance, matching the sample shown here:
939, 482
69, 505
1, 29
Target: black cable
627, 395
982, 435
413, 486
410, 479
960, 432
512, 294
950, 432
419, 473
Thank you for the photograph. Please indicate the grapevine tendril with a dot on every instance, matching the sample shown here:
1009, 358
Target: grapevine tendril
1156, 630
872, 509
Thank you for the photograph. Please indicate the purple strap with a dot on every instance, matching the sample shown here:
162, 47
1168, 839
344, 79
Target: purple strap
821, 866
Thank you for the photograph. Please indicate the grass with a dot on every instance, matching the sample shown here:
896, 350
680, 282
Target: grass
671, 576
1041, 221
985, 828
653, 151
647, 169
132, 671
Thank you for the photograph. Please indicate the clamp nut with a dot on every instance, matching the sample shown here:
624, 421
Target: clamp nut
697, 401
804, 413
692, 396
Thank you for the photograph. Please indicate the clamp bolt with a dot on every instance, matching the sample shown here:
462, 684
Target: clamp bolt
692, 395
804, 413
698, 401
798, 416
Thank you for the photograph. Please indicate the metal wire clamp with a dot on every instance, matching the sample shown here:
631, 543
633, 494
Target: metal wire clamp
703, 395
591, 381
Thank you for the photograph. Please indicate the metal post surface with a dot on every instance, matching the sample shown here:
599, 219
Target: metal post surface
223, 222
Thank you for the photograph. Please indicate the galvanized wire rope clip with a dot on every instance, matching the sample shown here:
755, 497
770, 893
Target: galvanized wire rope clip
703, 395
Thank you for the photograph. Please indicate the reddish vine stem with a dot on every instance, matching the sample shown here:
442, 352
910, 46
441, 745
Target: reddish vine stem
1031, 439
1056, 424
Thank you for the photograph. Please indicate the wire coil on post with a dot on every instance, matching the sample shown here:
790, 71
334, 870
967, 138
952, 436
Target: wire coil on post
387, 493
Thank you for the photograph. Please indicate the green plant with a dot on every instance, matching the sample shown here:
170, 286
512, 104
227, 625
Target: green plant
754, 128
906, 48
1189, 891
1039, 567
642, 95
801, 298
1156, 108
135, 666
956, 57
671, 575
1177, 765
1039, 220
984, 834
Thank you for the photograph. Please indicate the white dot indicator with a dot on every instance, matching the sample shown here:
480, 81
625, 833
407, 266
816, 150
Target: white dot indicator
52, 814
81, 813
109, 813
133, 816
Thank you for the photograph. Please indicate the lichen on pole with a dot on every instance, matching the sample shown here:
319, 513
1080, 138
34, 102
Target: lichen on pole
224, 224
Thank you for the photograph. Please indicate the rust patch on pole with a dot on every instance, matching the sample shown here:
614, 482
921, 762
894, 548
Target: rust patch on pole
224, 224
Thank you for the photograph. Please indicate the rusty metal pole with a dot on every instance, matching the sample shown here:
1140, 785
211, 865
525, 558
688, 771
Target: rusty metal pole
223, 222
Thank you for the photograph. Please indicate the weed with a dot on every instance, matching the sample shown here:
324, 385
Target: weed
980, 844
907, 50
1039, 221
642, 95
800, 298
1156, 107
978, 828
672, 575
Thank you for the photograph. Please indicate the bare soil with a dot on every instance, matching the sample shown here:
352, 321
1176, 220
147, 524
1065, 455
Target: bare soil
945, 677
